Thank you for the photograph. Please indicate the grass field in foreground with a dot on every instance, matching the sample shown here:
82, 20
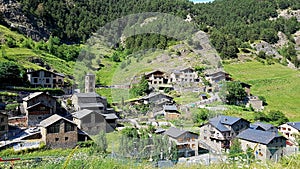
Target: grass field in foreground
278, 84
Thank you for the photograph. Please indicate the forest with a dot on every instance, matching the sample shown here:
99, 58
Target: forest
232, 24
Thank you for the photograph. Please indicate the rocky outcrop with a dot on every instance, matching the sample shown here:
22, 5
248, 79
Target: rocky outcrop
25, 23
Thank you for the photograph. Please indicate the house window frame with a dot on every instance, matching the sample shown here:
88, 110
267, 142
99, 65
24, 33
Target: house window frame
55, 128
69, 127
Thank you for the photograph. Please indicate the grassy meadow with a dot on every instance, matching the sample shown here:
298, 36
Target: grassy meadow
280, 85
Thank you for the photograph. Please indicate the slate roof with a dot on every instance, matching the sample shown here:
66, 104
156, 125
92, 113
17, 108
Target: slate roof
174, 132
258, 136
90, 105
154, 94
170, 107
219, 122
88, 95
154, 71
110, 116
32, 95
211, 72
296, 125
187, 68
264, 126
160, 130
82, 113
59, 74
219, 126
52, 119
39, 103
228, 120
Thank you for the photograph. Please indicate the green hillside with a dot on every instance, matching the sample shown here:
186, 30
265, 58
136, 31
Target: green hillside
21, 50
277, 83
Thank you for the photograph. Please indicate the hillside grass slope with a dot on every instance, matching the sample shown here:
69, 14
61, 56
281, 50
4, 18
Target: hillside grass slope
277, 83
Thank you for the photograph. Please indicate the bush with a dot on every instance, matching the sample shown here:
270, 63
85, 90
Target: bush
274, 116
88, 143
277, 117
263, 99
11, 107
200, 116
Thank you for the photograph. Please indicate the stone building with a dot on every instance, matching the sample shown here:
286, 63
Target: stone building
90, 101
186, 141
156, 77
290, 131
266, 145
59, 132
187, 75
215, 76
92, 122
38, 106
218, 132
45, 78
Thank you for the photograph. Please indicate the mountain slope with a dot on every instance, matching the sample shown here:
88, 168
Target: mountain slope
14, 48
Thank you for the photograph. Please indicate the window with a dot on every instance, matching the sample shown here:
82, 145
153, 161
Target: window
283, 128
69, 127
47, 74
35, 80
56, 139
2, 119
47, 80
53, 128
66, 138
289, 129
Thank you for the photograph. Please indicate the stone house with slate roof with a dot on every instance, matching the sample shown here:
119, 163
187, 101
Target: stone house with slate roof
215, 76
265, 144
93, 122
59, 132
290, 130
156, 77
186, 141
187, 75
171, 112
90, 101
45, 78
155, 100
38, 106
218, 132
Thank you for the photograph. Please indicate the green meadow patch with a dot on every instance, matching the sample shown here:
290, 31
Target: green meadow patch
280, 85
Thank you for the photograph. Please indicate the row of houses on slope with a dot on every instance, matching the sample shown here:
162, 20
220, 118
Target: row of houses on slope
266, 141
263, 139
90, 116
